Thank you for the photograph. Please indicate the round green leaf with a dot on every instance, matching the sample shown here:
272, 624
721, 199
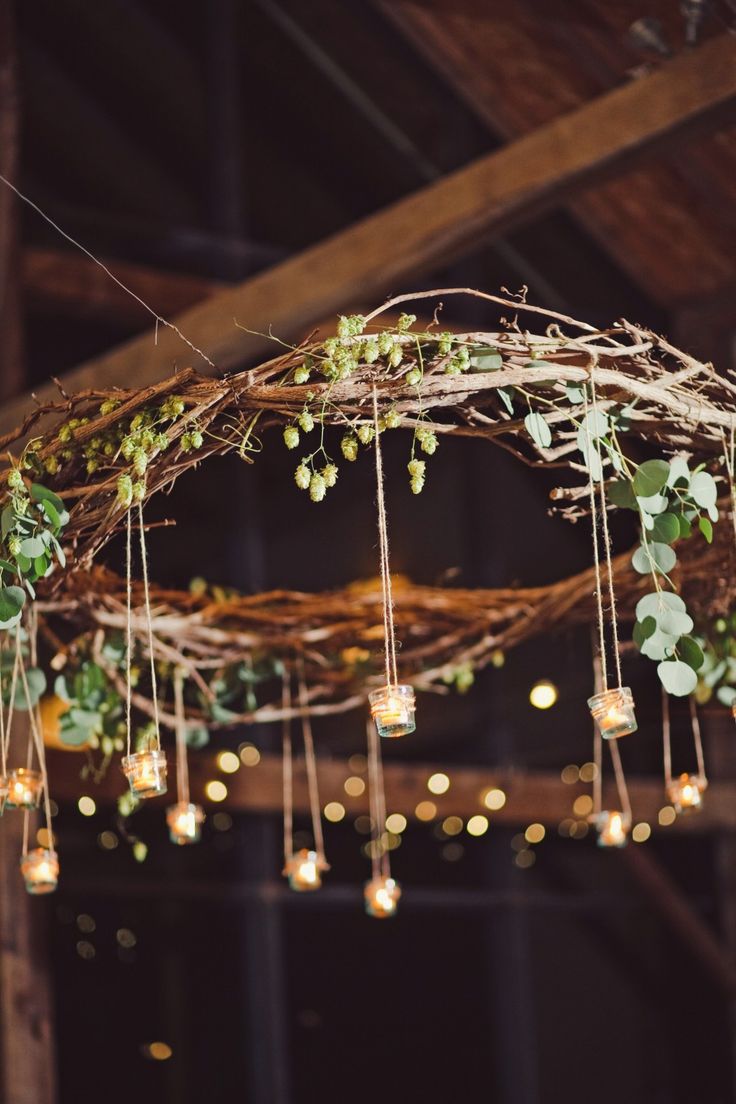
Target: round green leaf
655, 604
690, 652
660, 645
666, 528
11, 602
653, 504
538, 429
32, 547
595, 423
703, 489
620, 493
654, 556
677, 678
679, 471
643, 630
706, 528
650, 477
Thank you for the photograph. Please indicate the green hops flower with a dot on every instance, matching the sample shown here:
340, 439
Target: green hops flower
392, 419
343, 326
301, 375
416, 472
185, 442
349, 446
371, 351
405, 322
414, 377
428, 442
92, 466
350, 325
161, 442
317, 487
137, 422
444, 344
330, 346
65, 434
396, 356
14, 546
366, 433
51, 464
127, 447
306, 421
172, 407
302, 477
463, 356
108, 406
464, 678
139, 492
140, 461
15, 480
125, 490
329, 474
385, 343
197, 438
291, 437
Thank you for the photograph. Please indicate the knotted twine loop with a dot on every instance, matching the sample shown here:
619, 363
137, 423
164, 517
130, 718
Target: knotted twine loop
388, 602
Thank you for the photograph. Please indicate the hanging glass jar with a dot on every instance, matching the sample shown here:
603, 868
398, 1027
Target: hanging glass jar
381, 897
146, 772
185, 822
25, 787
393, 709
612, 827
304, 870
613, 712
686, 792
40, 870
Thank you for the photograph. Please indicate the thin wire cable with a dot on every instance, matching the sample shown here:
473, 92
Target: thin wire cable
606, 537
623, 789
160, 320
128, 633
666, 737
388, 601
182, 764
596, 551
697, 738
287, 767
311, 765
149, 627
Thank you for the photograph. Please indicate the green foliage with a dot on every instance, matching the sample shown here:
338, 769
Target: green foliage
30, 526
95, 714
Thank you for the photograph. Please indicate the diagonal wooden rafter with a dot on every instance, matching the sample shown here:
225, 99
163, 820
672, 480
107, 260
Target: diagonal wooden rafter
433, 225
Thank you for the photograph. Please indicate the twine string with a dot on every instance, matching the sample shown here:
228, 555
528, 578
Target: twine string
596, 551
666, 737
3, 744
128, 632
182, 764
149, 627
287, 767
388, 602
311, 765
380, 861
606, 537
697, 738
597, 738
623, 789
36, 737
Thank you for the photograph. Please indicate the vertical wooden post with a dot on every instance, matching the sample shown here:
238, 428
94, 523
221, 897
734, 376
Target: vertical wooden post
27, 1067
11, 319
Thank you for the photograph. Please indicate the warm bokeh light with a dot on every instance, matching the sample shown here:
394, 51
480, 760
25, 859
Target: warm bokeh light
452, 852
107, 840
86, 923
438, 783
358, 763
666, 815
588, 772
543, 694
525, 859
452, 825
425, 810
86, 806
570, 774
125, 937
216, 790
43, 839
160, 1052
477, 825
641, 832
250, 756
228, 762
582, 805
494, 799
354, 786
363, 825
518, 842
334, 812
535, 833
396, 823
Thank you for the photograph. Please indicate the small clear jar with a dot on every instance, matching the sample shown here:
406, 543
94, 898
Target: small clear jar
40, 870
304, 870
613, 712
393, 708
381, 896
686, 792
612, 827
146, 772
25, 787
185, 822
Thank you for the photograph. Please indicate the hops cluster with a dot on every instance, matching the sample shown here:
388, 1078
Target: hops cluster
316, 482
291, 437
15, 480
191, 440
301, 374
414, 377
366, 433
428, 442
459, 362
172, 407
416, 469
349, 446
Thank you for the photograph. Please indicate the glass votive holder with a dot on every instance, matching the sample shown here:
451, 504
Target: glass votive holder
40, 870
686, 792
381, 897
304, 870
25, 787
185, 822
146, 772
612, 827
613, 712
393, 709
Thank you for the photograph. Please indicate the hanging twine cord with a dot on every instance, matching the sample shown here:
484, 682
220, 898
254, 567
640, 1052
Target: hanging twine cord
606, 537
380, 861
666, 737
623, 789
36, 738
128, 632
287, 768
597, 738
3, 730
388, 602
149, 626
311, 765
596, 554
697, 738
182, 764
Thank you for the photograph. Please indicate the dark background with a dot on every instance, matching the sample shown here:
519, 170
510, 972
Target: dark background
212, 139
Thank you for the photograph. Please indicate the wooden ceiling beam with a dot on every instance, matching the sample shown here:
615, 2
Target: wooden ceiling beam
439, 223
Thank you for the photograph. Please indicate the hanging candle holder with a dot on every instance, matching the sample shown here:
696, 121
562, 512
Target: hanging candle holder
146, 772
612, 827
381, 897
24, 788
185, 822
393, 710
613, 712
40, 870
184, 819
392, 706
304, 870
611, 709
685, 793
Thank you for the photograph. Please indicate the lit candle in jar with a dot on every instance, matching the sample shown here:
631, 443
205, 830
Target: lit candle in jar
613, 712
24, 788
393, 709
146, 772
686, 792
612, 827
185, 822
40, 870
304, 870
382, 897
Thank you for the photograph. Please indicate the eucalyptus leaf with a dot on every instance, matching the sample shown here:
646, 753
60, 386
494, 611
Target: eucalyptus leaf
677, 678
690, 652
12, 599
591, 455
538, 429
678, 471
675, 621
643, 630
703, 489
36, 686
706, 528
575, 393
653, 504
654, 557
659, 645
32, 547
621, 493
657, 602
666, 528
726, 695
595, 424
504, 394
650, 477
